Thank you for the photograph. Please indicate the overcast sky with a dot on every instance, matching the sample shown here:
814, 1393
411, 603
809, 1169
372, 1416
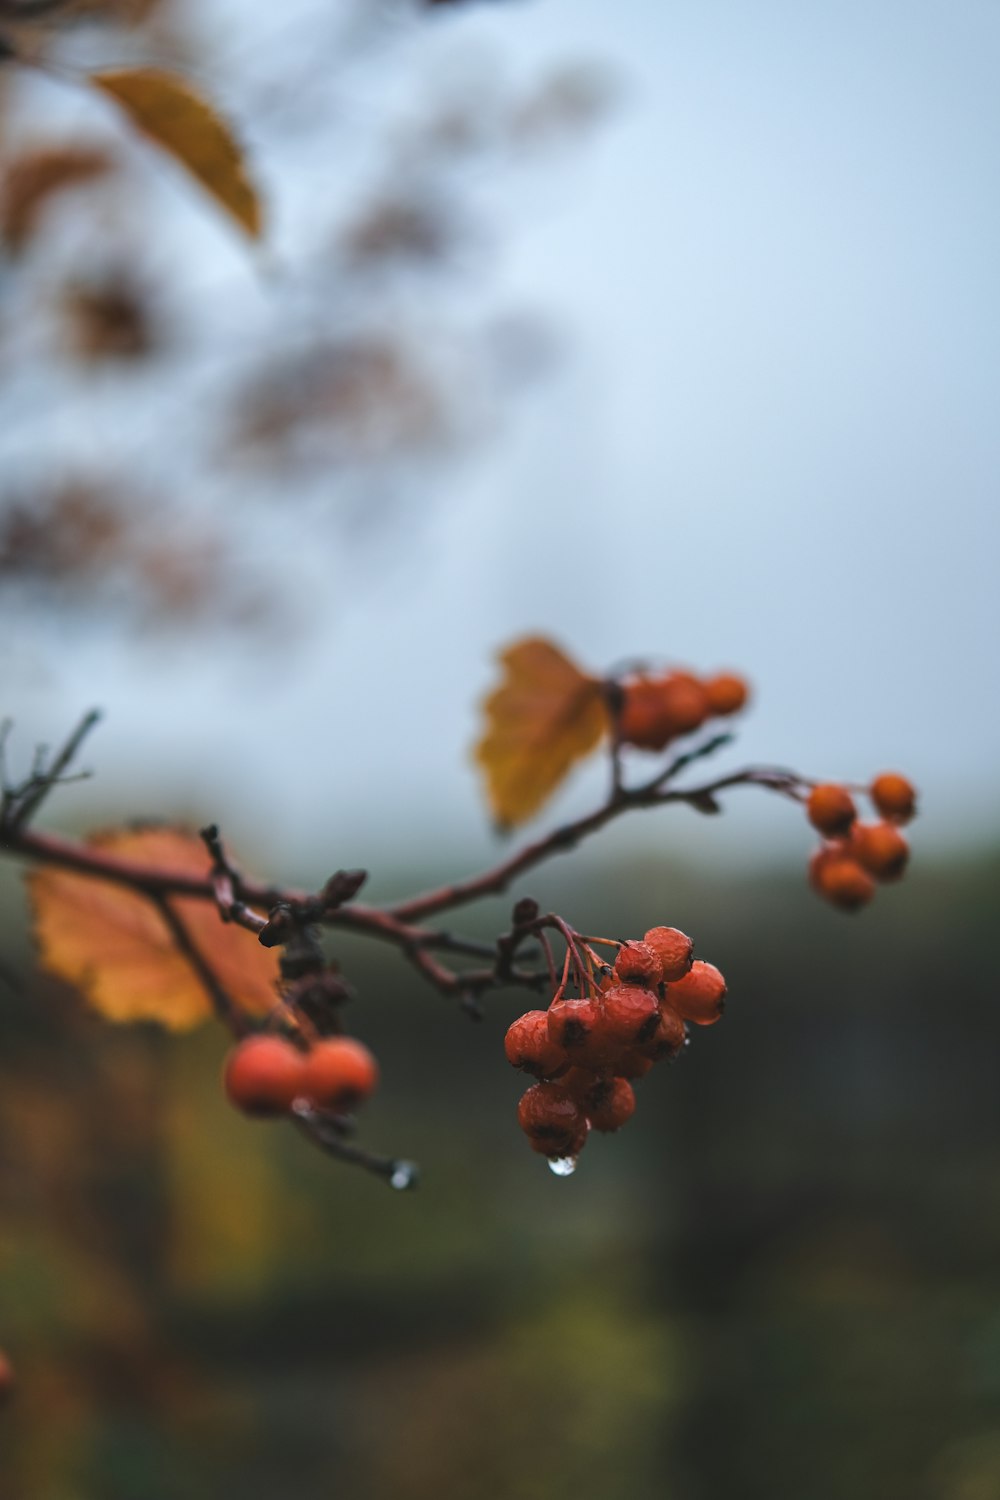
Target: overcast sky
771, 442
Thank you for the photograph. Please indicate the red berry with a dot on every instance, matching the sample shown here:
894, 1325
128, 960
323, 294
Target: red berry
880, 849
674, 949
529, 1046
551, 1119
831, 809
840, 879
339, 1074
638, 963
894, 797
699, 995
615, 1107
263, 1075
605, 1099
668, 1038
726, 693
633, 1064
630, 1014
7, 1379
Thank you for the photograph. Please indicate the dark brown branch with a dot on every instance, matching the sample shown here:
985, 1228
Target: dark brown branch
328, 1136
228, 1012
20, 803
654, 793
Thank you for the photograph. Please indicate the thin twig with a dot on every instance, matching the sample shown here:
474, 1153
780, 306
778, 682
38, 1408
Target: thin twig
223, 1004
326, 1135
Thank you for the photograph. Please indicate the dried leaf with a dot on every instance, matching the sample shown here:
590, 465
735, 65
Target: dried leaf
545, 715
167, 109
36, 176
114, 946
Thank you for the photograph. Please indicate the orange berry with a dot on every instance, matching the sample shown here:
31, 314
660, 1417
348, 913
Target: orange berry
698, 997
840, 879
263, 1075
674, 948
881, 849
668, 1038
570, 1022
339, 1074
685, 702
529, 1046
552, 1120
7, 1379
630, 1014
726, 693
642, 721
894, 797
831, 809
638, 963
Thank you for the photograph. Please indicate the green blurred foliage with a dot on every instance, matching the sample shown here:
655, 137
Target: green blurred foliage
783, 1279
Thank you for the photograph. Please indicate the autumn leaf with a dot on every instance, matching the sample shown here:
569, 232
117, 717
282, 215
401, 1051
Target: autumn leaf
34, 177
114, 945
545, 715
168, 110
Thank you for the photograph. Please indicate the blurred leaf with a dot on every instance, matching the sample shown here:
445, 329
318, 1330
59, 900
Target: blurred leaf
545, 715
114, 946
31, 179
168, 110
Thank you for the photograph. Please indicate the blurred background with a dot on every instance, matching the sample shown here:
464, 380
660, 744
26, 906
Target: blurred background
666, 331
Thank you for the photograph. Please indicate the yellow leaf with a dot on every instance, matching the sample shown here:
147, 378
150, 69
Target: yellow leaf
545, 715
114, 945
167, 109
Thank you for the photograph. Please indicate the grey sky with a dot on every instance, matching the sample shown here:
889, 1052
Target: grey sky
772, 443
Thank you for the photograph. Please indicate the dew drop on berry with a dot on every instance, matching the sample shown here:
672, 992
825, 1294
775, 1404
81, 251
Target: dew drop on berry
562, 1166
404, 1175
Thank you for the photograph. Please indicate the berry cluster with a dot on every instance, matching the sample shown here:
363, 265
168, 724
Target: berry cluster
657, 709
587, 1051
856, 855
266, 1075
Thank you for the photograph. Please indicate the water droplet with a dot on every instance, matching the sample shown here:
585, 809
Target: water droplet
404, 1175
562, 1166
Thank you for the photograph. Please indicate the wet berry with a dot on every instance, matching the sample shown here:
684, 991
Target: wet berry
630, 1014
668, 1038
638, 963
617, 1105
699, 996
571, 1022
551, 1119
674, 949
528, 1046
632, 1064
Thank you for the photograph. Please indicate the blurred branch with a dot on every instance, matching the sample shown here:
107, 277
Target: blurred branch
289, 912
